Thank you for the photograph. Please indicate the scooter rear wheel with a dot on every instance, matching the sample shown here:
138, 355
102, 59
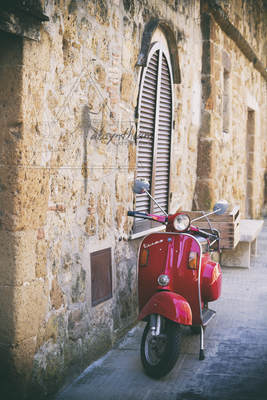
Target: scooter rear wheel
160, 355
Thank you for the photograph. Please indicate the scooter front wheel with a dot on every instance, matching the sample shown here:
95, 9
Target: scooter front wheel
159, 354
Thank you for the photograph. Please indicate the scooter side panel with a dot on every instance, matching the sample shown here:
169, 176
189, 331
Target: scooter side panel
169, 305
211, 282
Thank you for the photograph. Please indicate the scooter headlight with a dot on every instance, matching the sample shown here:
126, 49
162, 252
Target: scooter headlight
163, 280
181, 223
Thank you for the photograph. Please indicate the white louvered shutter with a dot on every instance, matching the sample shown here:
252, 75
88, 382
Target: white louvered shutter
154, 134
161, 189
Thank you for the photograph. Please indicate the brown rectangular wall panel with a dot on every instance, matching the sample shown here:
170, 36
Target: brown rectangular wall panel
101, 276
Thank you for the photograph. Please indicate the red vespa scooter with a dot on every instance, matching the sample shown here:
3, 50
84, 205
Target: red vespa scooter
176, 280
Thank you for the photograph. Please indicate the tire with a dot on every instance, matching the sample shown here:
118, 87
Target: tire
160, 356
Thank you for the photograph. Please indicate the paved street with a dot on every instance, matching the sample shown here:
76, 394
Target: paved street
235, 365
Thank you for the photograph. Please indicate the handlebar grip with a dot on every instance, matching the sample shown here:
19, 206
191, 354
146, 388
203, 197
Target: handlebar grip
135, 214
138, 215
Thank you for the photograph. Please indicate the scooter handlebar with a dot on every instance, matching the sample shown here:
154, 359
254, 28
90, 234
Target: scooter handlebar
137, 214
159, 218
130, 213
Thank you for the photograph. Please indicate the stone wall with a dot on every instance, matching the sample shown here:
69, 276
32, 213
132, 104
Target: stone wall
68, 157
234, 161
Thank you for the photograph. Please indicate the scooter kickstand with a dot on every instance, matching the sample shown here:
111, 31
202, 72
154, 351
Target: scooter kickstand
201, 353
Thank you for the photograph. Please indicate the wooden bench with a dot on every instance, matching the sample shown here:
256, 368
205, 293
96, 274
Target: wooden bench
247, 246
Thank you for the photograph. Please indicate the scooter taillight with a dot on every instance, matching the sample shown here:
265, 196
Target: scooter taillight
144, 258
192, 260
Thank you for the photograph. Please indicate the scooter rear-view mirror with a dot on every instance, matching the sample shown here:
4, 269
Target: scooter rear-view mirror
139, 185
220, 207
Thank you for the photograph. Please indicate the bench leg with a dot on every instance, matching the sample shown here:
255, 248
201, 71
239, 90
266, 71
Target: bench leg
239, 257
254, 247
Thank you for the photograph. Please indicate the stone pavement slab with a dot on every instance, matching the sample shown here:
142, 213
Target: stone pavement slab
235, 365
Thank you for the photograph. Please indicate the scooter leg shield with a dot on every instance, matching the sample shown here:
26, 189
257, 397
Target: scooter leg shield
169, 305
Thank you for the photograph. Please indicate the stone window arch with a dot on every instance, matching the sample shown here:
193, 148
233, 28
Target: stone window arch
149, 34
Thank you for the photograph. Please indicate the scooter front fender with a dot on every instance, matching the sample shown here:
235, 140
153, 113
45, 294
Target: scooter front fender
169, 305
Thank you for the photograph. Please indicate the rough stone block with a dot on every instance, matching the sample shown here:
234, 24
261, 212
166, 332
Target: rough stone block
90, 225
48, 330
122, 220
217, 71
206, 159
251, 143
15, 372
237, 82
205, 194
23, 307
251, 165
24, 200
41, 259
78, 288
126, 53
115, 22
217, 54
102, 13
98, 341
207, 27
121, 187
134, 59
207, 128
11, 49
76, 327
126, 86
104, 48
250, 189
41, 233
56, 295
192, 138
100, 76
226, 61
11, 76
226, 40
104, 211
131, 157
208, 92
178, 168
41, 48
250, 209
207, 58
17, 257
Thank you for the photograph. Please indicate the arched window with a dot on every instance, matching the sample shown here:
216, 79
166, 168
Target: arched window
155, 110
